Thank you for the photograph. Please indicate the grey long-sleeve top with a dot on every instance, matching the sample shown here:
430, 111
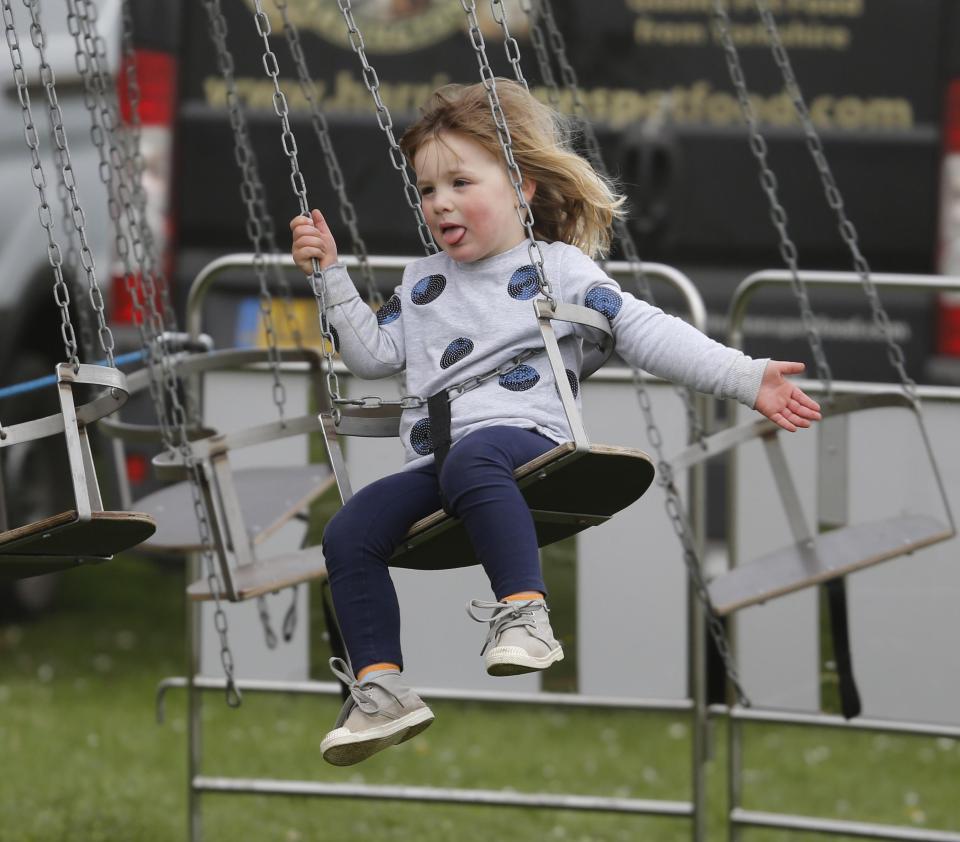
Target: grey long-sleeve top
448, 321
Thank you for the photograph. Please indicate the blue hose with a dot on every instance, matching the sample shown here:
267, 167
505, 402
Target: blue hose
51, 379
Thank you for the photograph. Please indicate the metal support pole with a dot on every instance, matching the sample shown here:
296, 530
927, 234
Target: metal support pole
696, 644
194, 705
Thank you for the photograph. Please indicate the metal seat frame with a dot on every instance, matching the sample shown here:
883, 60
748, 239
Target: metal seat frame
87, 533
837, 548
244, 574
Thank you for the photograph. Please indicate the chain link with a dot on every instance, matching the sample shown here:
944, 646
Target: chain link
847, 230
769, 183
510, 45
251, 189
289, 143
524, 212
61, 293
69, 179
71, 258
665, 476
385, 121
171, 416
348, 212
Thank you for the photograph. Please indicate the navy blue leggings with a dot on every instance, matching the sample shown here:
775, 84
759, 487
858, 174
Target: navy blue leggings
477, 479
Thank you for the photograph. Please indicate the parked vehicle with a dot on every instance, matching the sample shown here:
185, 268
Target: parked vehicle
36, 475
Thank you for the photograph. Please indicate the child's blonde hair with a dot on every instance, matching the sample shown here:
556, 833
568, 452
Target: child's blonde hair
572, 203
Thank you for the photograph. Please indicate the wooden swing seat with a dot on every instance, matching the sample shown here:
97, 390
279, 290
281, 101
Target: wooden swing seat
258, 578
64, 541
827, 556
269, 498
592, 487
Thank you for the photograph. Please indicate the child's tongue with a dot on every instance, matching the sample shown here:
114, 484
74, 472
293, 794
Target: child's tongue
453, 235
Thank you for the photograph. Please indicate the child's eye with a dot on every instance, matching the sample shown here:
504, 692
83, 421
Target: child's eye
460, 182
426, 190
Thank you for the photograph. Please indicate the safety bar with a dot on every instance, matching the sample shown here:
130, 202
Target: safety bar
693, 303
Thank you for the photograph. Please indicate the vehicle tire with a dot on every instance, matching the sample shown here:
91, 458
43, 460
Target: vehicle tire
36, 480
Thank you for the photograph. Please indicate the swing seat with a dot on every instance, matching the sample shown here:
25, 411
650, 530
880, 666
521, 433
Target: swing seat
566, 491
274, 574
569, 488
825, 557
87, 533
269, 498
813, 559
247, 506
64, 541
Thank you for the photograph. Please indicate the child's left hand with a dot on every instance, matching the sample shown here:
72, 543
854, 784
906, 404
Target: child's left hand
781, 401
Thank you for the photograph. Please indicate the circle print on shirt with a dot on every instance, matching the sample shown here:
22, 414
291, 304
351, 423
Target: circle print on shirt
523, 377
456, 351
421, 439
572, 380
428, 289
605, 301
523, 283
390, 311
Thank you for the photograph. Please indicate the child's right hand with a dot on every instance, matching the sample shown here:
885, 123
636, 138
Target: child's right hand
312, 240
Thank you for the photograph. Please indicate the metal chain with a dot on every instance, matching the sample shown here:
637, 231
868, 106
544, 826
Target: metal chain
71, 259
665, 476
768, 181
348, 212
250, 189
60, 291
847, 230
524, 212
173, 420
136, 290
595, 156
68, 176
385, 121
260, 232
510, 45
289, 144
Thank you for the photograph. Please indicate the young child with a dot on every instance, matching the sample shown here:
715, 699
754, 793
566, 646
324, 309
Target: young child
463, 312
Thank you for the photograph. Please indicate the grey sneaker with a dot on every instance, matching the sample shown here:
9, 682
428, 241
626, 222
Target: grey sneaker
381, 712
520, 638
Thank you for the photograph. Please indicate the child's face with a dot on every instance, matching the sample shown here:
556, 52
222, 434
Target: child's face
468, 200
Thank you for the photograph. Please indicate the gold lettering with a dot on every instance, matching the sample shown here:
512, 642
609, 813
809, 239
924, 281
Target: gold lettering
697, 103
648, 31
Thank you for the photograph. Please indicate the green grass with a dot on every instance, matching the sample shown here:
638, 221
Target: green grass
84, 760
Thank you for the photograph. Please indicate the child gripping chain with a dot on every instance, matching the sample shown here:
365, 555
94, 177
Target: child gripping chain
463, 312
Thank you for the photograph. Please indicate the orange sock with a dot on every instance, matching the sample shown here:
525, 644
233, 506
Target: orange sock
375, 667
523, 595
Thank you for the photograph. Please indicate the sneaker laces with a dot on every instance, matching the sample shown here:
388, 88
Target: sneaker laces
506, 615
360, 697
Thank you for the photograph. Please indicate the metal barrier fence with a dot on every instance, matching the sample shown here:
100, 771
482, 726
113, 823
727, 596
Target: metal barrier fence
738, 816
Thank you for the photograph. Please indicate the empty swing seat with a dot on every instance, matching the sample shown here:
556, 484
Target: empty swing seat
813, 558
64, 541
246, 506
87, 533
